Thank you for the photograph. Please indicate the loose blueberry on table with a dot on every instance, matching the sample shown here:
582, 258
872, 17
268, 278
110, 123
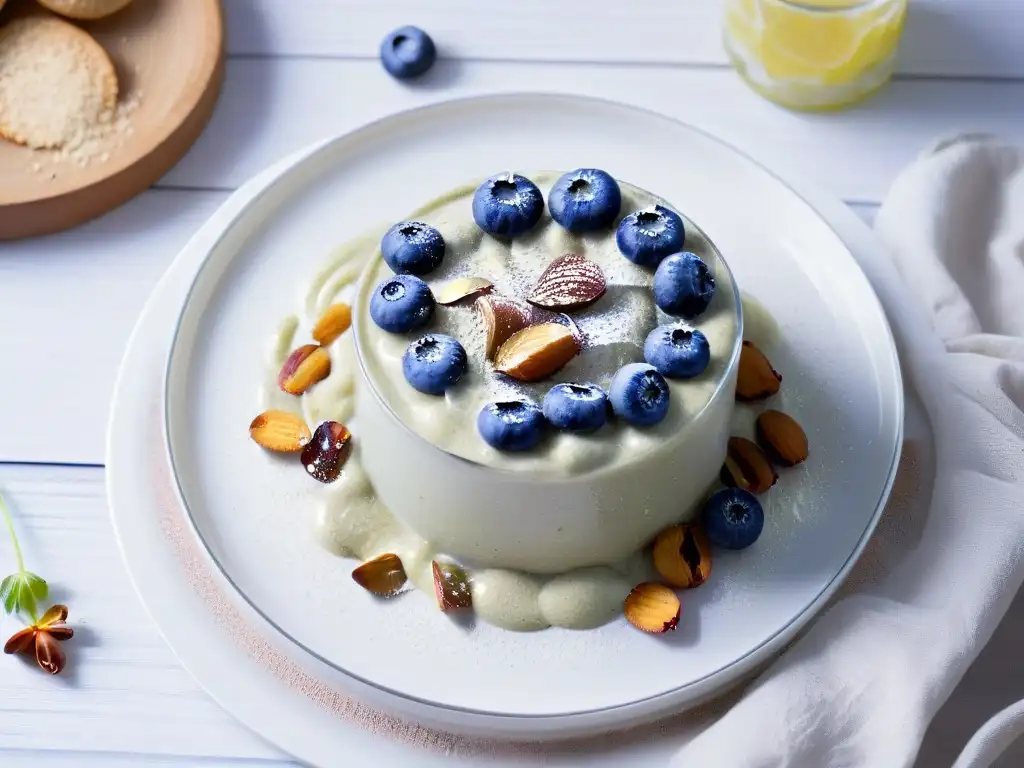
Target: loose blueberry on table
407, 52
683, 285
511, 426
507, 205
401, 304
648, 236
576, 407
677, 351
585, 200
639, 395
433, 363
732, 518
412, 247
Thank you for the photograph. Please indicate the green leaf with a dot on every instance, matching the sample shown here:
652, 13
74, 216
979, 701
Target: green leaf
8, 594
21, 592
36, 586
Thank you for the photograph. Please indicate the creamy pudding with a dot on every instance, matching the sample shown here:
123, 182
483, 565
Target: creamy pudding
613, 330
526, 486
574, 500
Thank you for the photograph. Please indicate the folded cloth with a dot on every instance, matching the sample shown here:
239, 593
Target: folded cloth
861, 686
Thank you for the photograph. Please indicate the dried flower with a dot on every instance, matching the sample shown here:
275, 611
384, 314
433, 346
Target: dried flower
43, 637
21, 593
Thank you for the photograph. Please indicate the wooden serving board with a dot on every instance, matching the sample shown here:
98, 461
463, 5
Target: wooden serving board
169, 59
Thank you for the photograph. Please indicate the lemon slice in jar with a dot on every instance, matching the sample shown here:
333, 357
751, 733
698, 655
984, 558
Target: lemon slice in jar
827, 41
744, 25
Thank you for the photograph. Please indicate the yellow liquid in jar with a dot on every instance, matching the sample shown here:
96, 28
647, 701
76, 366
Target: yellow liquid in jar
814, 54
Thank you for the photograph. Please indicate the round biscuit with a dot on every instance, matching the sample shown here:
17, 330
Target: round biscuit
55, 81
84, 9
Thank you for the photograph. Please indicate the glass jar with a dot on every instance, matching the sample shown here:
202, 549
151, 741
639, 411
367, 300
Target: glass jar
814, 54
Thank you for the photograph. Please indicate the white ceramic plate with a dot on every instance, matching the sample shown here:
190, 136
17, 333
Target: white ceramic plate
842, 382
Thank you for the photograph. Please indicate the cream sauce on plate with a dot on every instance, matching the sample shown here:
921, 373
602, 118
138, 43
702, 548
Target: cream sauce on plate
351, 522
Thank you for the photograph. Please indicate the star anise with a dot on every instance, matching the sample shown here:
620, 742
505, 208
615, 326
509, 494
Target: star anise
43, 638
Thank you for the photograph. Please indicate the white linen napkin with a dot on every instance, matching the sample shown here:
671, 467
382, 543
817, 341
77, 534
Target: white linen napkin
861, 686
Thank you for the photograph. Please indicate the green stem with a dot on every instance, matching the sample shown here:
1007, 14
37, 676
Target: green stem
14, 536
17, 551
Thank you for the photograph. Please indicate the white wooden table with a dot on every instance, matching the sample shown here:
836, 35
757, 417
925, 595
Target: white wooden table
300, 70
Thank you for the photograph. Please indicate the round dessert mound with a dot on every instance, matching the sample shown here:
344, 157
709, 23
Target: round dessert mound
578, 301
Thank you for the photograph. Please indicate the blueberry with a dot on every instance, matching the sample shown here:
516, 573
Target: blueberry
648, 236
511, 426
585, 200
732, 518
677, 351
433, 363
407, 52
411, 247
639, 394
401, 303
576, 407
683, 285
507, 205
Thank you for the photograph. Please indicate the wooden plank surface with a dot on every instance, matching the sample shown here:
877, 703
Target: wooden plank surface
123, 691
125, 702
978, 38
272, 107
302, 70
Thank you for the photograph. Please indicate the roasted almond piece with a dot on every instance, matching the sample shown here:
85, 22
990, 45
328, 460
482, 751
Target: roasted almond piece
747, 467
383, 575
463, 288
536, 352
304, 367
573, 328
279, 431
652, 608
682, 556
332, 323
782, 438
570, 282
756, 379
451, 587
502, 318
328, 450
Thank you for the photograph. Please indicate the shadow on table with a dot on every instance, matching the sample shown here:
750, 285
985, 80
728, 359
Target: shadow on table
938, 39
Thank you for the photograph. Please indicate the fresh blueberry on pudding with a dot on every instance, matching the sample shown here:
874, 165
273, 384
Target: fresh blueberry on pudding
733, 518
407, 52
576, 407
556, 420
433, 363
507, 205
683, 285
511, 426
639, 395
411, 247
401, 304
677, 352
585, 200
649, 235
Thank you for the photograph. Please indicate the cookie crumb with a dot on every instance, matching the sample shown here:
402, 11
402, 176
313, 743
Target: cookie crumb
98, 142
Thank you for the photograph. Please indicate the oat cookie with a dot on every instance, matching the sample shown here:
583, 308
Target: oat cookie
83, 9
56, 83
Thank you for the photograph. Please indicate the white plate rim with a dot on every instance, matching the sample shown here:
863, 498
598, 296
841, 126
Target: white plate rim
662, 702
